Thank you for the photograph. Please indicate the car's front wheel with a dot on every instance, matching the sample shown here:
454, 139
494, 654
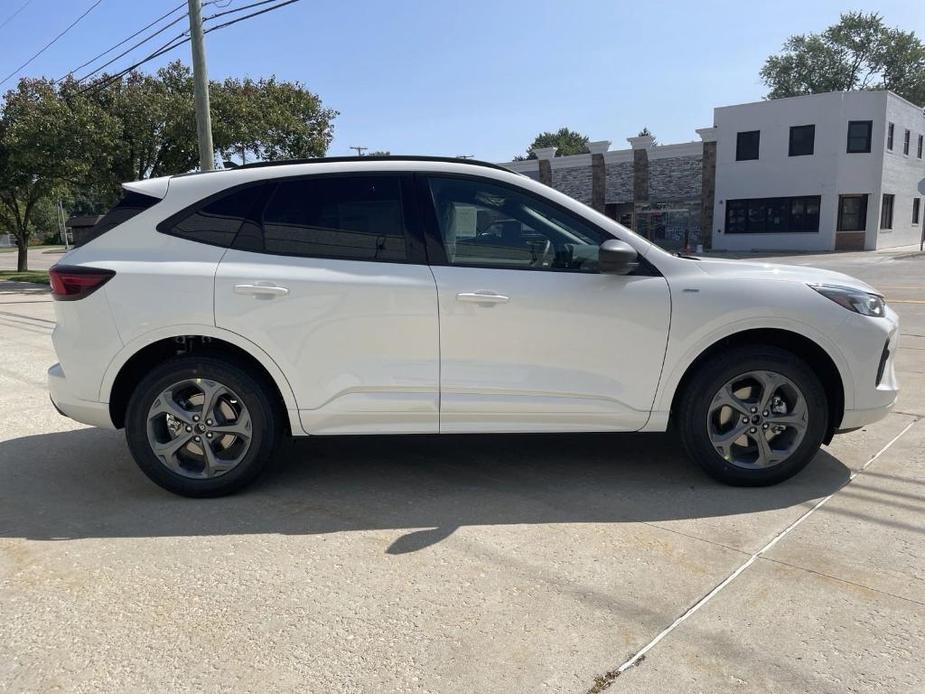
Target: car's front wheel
201, 426
753, 416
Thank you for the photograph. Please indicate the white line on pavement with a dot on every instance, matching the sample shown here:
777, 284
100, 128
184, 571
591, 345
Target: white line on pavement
635, 658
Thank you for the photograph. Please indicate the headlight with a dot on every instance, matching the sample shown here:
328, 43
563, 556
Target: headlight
856, 300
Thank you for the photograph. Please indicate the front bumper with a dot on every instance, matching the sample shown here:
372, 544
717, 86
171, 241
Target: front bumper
84, 411
855, 419
875, 386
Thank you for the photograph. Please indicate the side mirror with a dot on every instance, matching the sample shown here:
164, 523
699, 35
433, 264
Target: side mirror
617, 257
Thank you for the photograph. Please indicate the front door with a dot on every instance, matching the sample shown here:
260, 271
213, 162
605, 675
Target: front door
532, 336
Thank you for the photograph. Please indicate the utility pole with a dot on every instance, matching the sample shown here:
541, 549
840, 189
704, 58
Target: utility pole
359, 150
201, 88
62, 228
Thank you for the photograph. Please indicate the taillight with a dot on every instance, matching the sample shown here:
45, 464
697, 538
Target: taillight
72, 282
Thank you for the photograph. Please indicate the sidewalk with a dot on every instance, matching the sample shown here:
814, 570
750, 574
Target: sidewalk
898, 252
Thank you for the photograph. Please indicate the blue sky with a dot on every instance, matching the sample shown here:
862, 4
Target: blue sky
477, 77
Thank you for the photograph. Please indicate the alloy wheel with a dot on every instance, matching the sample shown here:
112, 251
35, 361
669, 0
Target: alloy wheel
757, 419
199, 428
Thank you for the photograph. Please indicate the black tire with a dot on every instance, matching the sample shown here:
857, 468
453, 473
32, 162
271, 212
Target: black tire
254, 392
712, 375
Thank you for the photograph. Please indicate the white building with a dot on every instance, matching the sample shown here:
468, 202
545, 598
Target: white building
835, 171
842, 170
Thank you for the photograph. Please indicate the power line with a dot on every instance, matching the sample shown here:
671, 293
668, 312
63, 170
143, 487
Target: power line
123, 41
106, 81
143, 41
237, 9
51, 43
248, 16
13, 16
173, 43
131, 48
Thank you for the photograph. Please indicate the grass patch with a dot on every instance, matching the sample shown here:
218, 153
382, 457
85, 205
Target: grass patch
36, 276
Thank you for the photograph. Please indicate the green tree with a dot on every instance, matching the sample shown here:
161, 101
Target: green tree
566, 141
46, 219
860, 52
80, 142
264, 119
646, 132
152, 131
269, 119
46, 146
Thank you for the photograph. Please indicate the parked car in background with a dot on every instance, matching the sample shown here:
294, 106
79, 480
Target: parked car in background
211, 314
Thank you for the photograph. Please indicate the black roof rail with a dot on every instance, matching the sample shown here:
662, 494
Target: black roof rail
391, 157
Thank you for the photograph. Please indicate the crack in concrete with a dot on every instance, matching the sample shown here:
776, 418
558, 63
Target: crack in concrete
843, 580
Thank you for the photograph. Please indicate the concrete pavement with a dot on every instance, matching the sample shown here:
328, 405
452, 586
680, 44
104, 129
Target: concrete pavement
461, 564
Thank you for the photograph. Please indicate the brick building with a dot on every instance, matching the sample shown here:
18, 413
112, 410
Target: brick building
654, 189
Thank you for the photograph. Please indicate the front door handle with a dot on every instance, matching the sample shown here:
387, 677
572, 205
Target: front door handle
260, 289
482, 296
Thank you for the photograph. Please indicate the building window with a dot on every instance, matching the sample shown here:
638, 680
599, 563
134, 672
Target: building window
852, 212
919, 154
747, 145
906, 138
859, 136
915, 210
886, 211
802, 140
889, 136
773, 215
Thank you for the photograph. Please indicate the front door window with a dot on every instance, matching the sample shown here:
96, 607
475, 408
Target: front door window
484, 224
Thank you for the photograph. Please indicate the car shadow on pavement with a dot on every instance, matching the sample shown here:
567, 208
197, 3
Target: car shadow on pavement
84, 484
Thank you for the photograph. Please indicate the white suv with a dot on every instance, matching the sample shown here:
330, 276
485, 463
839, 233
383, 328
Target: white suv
213, 313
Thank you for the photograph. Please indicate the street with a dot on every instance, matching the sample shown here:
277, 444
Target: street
462, 563
39, 258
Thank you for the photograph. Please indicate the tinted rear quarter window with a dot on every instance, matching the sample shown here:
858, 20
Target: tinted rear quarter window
130, 205
350, 217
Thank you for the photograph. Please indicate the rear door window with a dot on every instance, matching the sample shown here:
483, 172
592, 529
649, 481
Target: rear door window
218, 221
349, 217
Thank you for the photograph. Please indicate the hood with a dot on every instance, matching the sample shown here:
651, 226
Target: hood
774, 271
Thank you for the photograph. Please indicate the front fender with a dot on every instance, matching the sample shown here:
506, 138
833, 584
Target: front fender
683, 351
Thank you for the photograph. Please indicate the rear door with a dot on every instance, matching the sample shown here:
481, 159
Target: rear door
533, 337
328, 277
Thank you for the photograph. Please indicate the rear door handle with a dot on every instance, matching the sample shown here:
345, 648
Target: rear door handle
482, 296
260, 289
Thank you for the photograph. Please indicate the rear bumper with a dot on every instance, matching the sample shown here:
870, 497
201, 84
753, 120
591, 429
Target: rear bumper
84, 411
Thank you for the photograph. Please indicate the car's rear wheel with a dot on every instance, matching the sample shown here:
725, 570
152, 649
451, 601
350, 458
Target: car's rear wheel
753, 416
201, 426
